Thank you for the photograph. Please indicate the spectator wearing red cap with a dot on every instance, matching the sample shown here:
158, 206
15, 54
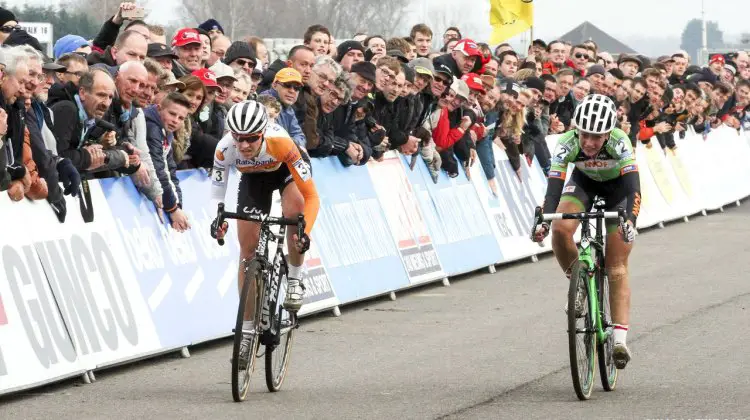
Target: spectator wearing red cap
210, 117
466, 57
716, 64
189, 49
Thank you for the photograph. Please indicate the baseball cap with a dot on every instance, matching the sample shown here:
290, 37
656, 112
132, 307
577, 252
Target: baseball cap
222, 71
186, 36
68, 44
208, 78
157, 49
365, 69
731, 67
468, 47
473, 82
718, 58
423, 66
399, 55
461, 88
168, 79
288, 75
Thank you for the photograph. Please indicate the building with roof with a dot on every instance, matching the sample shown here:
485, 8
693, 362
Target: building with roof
588, 31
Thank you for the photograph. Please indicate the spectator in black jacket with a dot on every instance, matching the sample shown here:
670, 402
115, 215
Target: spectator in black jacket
89, 147
301, 58
348, 53
353, 122
162, 121
330, 144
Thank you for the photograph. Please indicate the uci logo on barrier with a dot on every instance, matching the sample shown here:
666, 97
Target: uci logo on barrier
88, 289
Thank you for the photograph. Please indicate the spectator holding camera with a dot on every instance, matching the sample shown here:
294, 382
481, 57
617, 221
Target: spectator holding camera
81, 135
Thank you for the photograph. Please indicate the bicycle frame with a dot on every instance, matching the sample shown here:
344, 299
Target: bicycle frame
270, 304
590, 251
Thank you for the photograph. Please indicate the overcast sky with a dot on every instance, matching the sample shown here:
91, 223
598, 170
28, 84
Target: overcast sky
662, 18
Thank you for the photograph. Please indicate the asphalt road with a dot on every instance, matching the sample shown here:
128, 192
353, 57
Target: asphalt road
489, 346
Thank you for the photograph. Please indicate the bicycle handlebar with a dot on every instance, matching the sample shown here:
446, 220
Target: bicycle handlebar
540, 217
222, 215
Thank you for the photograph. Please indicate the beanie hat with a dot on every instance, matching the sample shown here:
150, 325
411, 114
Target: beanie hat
210, 25
6, 16
240, 49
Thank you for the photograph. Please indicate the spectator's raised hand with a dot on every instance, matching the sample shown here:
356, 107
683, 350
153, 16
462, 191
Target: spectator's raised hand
663, 127
124, 6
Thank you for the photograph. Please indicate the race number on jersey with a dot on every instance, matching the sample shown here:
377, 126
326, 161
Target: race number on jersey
302, 169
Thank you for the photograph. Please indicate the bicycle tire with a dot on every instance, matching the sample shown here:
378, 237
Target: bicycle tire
241, 377
607, 369
581, 369
280, 353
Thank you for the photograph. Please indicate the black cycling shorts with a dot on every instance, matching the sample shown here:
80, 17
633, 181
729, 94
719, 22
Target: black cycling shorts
256, 190
582, 190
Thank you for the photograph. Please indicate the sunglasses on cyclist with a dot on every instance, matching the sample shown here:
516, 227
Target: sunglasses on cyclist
247, 138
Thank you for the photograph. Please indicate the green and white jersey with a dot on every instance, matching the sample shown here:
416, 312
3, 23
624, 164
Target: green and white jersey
615, 159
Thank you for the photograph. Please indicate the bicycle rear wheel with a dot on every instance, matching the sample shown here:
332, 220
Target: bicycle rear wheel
277, 355
607, 369
581, 336
241, 377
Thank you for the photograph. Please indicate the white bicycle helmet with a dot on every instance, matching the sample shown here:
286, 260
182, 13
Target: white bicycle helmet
596, 114
247, 117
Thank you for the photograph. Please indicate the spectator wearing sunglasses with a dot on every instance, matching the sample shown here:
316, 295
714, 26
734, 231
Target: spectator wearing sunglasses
8, 23
286, 87
579, 57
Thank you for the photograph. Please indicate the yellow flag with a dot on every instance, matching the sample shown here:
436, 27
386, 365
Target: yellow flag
509, 18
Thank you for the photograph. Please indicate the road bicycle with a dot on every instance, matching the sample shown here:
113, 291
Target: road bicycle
273, 325
590, 329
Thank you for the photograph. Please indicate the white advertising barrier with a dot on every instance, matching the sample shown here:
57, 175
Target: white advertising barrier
721, 170
71, 300
666, 181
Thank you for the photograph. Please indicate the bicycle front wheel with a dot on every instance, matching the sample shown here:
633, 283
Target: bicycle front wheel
241, 374
607, 369
277, 355
581, 336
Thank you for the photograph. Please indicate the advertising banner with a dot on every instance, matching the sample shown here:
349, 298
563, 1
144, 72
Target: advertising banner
405, 219
352, 234
455, 219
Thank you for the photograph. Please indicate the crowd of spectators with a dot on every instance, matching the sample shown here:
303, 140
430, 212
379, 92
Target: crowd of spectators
133, 102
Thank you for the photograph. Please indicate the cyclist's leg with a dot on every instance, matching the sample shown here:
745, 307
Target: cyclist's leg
574, 199
253, 198
292, 205
616, 263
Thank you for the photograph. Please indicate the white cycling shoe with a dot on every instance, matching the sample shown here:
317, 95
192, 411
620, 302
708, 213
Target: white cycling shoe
620, 355
247, 339
295, 293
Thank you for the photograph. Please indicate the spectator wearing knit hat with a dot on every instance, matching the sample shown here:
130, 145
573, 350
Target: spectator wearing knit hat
8, 21
348, 53
240, 56
212, 27
716, 64
187, 44
596, 75
537, 125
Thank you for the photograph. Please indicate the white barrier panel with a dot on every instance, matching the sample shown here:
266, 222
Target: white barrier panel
666, 181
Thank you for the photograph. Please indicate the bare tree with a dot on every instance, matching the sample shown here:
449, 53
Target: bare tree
289, 18
104, 9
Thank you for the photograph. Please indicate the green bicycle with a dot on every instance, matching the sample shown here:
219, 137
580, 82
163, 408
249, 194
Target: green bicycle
590, 329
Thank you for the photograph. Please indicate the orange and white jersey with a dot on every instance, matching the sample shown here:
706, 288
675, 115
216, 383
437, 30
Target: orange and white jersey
277, 149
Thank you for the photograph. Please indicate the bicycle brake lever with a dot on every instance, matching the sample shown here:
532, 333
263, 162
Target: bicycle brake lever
219, 222
537, 218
